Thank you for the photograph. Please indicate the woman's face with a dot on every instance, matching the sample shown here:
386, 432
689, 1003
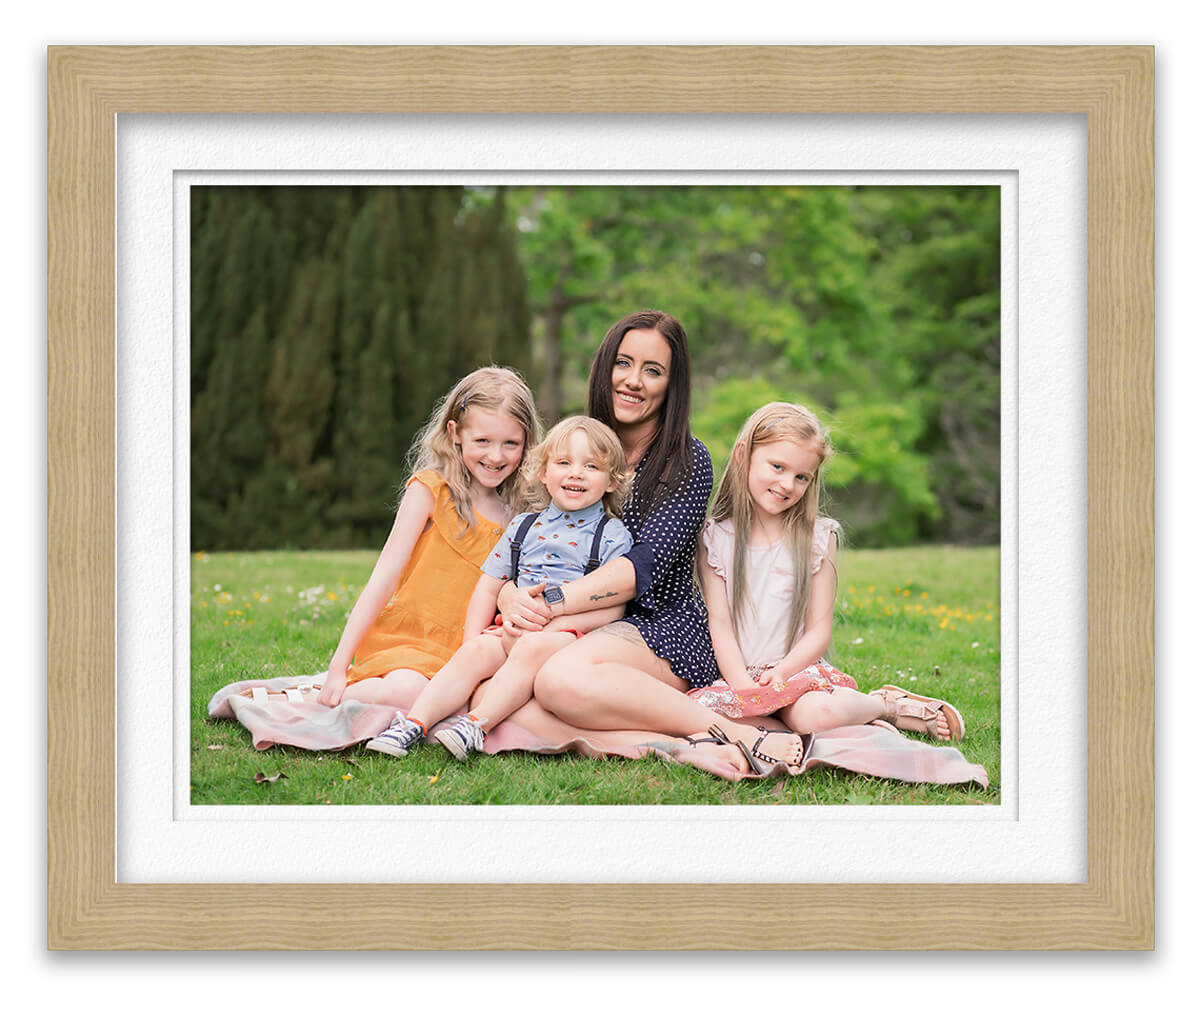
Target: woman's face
639, 377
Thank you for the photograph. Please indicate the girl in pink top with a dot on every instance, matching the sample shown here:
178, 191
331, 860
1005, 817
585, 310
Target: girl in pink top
768, 571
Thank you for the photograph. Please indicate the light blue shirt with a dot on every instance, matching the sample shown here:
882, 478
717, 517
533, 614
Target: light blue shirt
557, 546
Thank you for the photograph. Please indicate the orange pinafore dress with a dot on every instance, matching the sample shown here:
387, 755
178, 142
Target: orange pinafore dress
421, 626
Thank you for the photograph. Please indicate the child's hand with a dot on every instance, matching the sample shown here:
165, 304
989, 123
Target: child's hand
768, 675
332, 687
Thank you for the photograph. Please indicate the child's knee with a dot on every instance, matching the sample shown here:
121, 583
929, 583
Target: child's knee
527, 647
814, 712
481, 649
538, 643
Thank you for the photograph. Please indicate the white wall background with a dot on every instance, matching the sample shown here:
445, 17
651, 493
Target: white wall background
205, 983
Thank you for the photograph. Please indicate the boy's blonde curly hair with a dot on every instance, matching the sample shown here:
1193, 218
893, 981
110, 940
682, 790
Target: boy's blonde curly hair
605, 446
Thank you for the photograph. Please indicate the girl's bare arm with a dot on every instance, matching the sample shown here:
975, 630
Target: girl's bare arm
481, 609
730, 661
818, 621
414, 513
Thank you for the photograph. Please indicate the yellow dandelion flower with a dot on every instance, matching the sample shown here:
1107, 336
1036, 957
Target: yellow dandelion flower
347, 776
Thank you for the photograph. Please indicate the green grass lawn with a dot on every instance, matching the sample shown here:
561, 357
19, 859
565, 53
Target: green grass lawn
927, 619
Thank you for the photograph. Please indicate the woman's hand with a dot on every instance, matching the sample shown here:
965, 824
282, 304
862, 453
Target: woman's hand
523, 609
332, 687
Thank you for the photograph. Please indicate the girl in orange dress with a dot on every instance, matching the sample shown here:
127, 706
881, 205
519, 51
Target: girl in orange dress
408, 620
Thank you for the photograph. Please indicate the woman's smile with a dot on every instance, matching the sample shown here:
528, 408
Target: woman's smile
640, 375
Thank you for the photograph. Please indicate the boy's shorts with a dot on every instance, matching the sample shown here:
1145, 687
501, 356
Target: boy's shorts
498, 629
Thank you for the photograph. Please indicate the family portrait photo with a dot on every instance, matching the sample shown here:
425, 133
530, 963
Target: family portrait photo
582, 494
628, 500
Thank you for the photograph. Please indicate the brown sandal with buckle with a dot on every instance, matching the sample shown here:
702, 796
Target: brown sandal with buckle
919, 713
759, 761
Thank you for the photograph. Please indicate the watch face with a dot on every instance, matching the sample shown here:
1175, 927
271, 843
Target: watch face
553, 594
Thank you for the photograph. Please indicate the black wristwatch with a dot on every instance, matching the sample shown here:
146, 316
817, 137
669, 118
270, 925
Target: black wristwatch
553, 596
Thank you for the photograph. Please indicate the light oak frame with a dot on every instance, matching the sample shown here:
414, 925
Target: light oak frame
89, 86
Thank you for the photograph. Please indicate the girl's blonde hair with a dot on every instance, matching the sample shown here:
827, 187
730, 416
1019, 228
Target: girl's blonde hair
776, 421
496, 389
605, 446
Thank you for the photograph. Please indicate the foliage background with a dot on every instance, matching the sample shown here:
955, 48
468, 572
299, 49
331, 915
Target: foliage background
326, 321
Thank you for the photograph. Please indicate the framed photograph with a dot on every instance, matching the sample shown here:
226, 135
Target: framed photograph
112, 100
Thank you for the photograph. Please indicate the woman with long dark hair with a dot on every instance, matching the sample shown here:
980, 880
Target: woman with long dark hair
633, 674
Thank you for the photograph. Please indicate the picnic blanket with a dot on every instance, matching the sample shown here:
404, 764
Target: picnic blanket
300, 721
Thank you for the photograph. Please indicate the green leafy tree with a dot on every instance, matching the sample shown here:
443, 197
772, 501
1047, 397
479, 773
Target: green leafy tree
878, 303
326, 321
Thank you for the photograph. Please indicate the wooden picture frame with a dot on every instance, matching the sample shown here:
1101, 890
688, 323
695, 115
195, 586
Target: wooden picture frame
89, 86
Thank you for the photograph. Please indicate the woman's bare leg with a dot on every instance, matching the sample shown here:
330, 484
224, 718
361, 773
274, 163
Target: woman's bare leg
611, 680
535, 719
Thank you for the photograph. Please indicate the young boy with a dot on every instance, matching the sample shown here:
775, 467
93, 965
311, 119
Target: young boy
580, 470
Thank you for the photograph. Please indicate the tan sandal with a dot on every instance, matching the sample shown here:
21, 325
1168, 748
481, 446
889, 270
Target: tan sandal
920, 712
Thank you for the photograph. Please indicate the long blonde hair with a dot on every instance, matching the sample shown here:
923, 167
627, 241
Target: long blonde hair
606, 447
776, 421
496, 389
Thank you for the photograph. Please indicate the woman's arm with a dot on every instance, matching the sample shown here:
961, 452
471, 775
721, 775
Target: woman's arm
611, 585
586, 622
730, 661
414, 512
818, 622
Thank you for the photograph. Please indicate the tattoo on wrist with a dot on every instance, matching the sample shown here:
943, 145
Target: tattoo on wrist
601, 596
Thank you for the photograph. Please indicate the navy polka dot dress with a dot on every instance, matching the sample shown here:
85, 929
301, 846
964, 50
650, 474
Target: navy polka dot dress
667, 608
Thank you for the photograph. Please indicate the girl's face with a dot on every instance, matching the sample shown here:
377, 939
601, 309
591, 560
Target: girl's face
574, 476
779, 474
491, 444
640, 375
